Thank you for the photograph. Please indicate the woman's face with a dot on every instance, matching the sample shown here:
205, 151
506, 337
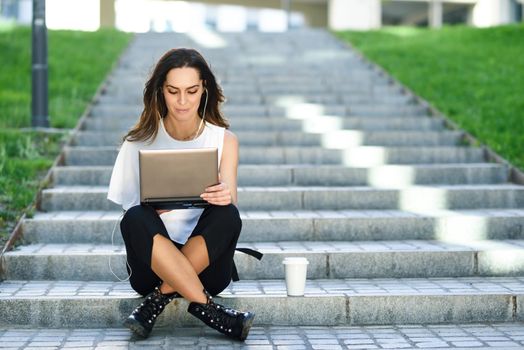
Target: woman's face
183, 89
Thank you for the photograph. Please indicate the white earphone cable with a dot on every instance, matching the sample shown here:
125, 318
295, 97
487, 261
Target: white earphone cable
113, 250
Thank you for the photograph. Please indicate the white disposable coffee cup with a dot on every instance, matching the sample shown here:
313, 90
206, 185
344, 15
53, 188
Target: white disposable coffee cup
296, 272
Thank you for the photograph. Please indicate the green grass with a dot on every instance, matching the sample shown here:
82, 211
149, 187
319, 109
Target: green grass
78, 63
474, 76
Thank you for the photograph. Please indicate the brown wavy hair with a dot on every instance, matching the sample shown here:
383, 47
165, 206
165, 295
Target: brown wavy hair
155, 107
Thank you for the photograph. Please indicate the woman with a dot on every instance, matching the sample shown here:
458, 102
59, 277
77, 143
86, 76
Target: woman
186, 252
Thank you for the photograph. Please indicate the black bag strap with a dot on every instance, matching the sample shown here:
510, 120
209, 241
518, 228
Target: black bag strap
254, 253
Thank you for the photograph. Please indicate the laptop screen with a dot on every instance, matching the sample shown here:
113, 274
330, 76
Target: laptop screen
177, 176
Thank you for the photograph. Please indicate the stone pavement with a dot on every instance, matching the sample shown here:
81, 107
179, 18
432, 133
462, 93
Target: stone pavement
465, 336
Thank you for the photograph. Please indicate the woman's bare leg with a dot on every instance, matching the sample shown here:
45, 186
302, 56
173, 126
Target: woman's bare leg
183, 279
195, 250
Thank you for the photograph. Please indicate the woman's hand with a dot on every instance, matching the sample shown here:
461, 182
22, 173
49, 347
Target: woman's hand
217, 194
162, 211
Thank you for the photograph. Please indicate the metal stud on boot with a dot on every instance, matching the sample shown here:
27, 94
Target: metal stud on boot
228, 321
143, 318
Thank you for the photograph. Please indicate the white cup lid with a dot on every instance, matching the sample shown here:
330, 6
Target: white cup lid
295, 260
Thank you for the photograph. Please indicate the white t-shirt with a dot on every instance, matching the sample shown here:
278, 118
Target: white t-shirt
124, 187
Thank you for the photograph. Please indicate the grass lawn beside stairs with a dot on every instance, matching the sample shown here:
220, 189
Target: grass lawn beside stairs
78, 63
473, 76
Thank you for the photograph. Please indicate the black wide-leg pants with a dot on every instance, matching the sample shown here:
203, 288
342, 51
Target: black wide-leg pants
219, 226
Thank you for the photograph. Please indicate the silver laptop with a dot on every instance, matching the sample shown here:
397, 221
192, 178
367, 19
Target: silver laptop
175, 179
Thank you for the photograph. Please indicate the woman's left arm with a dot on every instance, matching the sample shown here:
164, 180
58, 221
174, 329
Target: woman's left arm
226, 191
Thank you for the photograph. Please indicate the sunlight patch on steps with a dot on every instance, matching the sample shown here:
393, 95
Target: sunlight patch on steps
315, 120
461, 227
297, 108
421, 198
368, 156
342, 139
320, 124
498, 258
313, 115
207, 38
455, 226
391, 176
502, 260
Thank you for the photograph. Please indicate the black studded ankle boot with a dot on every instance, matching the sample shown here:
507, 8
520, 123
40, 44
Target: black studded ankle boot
230, 322
143, 318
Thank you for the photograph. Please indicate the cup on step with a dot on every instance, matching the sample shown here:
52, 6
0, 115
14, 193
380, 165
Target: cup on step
296, 273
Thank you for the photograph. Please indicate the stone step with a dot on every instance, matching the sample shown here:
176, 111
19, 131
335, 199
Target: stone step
363, 156
255, 97
348, 71
228, 77
134, 80
338, 260
321, 198
249, 64
346, 225
286, 99
300, 111
331, 139
275, 87
294, 66
313, 124
354, 97
231, 78
232, 74
312, 76
106, 111
329, 78
387, 176
326, 302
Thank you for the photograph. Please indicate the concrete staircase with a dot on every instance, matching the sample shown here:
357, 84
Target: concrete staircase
401, 222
